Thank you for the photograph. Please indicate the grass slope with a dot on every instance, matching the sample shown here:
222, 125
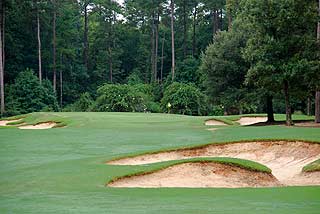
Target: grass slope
63, 170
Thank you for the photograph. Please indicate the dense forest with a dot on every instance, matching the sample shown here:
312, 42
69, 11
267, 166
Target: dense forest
194, 57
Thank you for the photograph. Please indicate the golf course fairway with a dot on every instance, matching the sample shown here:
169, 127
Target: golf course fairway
64, 169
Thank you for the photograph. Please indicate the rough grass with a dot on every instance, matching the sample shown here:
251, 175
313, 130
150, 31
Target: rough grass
312, 167
241, 163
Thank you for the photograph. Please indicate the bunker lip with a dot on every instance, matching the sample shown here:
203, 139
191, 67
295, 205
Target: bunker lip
285, 158
214, 122
199, 174
6, 122
41, 125
246, 121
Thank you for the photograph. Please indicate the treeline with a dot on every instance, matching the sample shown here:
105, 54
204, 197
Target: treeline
193, 57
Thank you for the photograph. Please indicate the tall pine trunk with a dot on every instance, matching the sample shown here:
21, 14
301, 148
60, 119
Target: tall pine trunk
2, 107
172, 40
153, 33
184, 30
39, 46
61, 82
317, 99
156, 47
229, 15
54, 46
288, 105
162, 60
194, 30
85, 37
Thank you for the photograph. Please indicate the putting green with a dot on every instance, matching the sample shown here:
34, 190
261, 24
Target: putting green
63, 170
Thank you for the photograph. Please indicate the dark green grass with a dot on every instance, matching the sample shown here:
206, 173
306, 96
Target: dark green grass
63, 170
244, 164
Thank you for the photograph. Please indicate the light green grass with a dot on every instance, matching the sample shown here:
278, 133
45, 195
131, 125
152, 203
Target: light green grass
244, 164
63, 170
312, 167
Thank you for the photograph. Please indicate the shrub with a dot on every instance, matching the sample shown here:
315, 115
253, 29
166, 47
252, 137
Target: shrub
181, 98
28, 95
83, 104
124, 98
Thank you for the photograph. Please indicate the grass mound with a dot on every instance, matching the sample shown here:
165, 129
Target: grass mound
312, 167
241, 163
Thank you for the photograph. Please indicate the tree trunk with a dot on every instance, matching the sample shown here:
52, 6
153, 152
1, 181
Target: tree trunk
157, 47
288, 106
317, 107
153, 48
2, 108
39, 46
54, 45
110, 65
309, 106
3, 34
270, 109
85, 37
162, 60
61, 83
317, 99
184, 30
194, 30
221, 20
172, 40
229, 17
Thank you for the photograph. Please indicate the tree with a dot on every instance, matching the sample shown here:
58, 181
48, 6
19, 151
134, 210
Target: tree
2, 107
54, 45
172, 39
39, 41
317, 100
277, 57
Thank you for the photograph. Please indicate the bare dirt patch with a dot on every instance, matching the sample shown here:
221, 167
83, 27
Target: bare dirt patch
307, 124
246, 121
214, 123
199, 175
285, 159
5, 122
47, 125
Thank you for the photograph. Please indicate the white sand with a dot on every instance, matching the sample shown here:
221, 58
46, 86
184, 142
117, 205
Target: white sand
285, 159
47, 125
214, 123
245, 121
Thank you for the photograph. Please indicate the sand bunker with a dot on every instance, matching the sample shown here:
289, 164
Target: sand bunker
5, 122
47, 125
214, 123
285, 159
199, 175
245, 121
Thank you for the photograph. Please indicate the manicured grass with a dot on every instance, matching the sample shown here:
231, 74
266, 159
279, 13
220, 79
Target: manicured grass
63, 170
245, 164
312, 167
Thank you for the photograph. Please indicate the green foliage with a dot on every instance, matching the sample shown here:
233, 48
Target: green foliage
223, 71
181, 98
187, 71
28, 95
216, 110
122, 98
83, 104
